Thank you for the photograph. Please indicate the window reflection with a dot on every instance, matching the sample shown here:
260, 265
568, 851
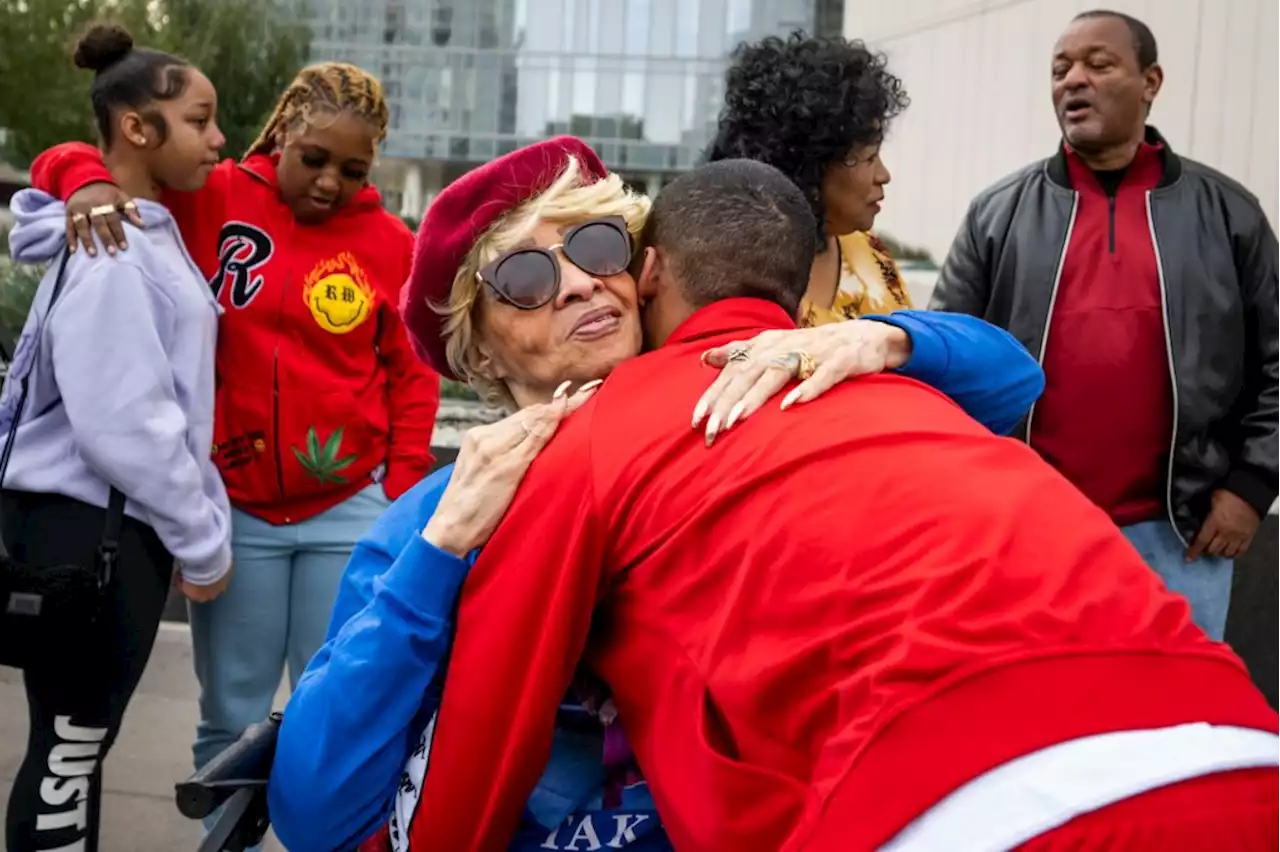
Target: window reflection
468, 80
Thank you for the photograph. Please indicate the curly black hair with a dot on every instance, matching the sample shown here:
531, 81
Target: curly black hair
802, 104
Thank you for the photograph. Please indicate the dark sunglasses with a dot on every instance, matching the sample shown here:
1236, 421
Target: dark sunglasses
528, 278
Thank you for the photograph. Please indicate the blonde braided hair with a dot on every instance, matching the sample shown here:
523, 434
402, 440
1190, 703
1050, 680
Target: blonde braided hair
330, 87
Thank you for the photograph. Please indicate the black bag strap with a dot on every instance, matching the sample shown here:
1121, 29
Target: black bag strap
109, 550
110, 546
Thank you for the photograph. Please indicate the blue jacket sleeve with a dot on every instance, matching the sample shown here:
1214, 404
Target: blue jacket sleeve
351, 721
982, 368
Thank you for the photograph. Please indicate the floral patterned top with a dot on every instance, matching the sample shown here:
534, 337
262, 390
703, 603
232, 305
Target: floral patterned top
869, 283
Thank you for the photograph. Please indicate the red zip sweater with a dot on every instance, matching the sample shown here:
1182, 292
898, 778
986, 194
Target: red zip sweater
318, 391
816, 629
1105, 419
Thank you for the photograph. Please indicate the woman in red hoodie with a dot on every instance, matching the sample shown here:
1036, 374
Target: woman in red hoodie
323, 413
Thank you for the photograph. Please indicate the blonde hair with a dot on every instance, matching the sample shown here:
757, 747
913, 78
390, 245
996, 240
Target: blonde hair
572, 197
328, 86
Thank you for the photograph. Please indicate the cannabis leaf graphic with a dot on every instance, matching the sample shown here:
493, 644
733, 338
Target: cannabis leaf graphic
323, 462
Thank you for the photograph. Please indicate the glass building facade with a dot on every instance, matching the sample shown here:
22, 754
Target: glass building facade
828, 18
468, 80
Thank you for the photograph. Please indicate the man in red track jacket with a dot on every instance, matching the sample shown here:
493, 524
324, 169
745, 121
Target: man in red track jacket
859, 622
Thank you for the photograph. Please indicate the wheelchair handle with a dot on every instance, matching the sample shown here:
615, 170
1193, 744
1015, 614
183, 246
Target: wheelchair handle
246, 764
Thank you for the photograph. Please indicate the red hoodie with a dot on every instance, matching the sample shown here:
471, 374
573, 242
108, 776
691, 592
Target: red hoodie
318, 392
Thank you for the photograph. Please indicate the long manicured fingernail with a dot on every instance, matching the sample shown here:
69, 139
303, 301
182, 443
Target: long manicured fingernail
699, 412
590, 386
734, 414
789, 399
713, 428
560, 391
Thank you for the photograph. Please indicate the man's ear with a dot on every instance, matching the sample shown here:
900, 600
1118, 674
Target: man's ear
1153, 79
650, 270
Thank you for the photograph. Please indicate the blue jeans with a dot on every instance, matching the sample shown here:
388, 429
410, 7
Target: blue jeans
1205, 583
275, 611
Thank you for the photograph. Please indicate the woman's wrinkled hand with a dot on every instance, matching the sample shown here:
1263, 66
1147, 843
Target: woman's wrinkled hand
753, 371
98, 207
491, 464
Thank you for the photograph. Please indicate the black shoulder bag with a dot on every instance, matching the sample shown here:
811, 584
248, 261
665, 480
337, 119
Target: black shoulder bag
46, 610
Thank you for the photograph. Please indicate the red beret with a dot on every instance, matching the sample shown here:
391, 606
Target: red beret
460, 214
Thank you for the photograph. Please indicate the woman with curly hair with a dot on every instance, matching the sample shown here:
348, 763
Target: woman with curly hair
817, 110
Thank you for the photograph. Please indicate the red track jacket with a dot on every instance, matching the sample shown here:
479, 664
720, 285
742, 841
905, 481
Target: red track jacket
814, 630
318, 389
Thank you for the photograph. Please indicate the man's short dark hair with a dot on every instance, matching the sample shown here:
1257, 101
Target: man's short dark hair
735, 228
1144, 42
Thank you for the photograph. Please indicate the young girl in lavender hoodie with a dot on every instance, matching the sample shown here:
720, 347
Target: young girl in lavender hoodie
120, 376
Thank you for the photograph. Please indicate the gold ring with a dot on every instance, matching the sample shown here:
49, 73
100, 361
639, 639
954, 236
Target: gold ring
806, 366
739, 353
78, 217
128, 205
797, 362
102, 210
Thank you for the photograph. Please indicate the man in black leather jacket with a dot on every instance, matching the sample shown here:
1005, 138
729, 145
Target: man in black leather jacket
1146, 284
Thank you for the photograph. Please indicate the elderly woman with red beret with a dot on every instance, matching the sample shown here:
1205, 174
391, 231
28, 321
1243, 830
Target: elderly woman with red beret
520, 286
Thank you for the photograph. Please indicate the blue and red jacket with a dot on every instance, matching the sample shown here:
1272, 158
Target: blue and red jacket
357, 732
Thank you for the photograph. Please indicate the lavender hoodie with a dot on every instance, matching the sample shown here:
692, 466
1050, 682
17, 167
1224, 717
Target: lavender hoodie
121, 373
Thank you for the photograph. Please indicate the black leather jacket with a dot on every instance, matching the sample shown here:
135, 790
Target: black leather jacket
1216, 255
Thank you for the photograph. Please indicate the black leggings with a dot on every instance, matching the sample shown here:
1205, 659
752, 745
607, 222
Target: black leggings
76, 706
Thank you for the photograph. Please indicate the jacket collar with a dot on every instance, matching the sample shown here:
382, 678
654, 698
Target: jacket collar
1058, 171
730, 316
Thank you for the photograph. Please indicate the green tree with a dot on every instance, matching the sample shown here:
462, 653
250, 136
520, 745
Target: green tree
43, 97
18, 285
450, 389
250, 49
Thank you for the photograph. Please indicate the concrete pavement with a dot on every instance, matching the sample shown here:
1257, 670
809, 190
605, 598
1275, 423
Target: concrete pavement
151, 755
